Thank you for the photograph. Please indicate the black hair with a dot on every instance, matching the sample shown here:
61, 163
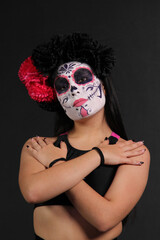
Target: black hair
79, 47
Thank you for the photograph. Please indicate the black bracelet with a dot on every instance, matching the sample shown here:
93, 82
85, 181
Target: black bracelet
100, 153
56, 160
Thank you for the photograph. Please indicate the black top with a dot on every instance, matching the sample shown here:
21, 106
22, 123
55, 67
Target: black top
99, 179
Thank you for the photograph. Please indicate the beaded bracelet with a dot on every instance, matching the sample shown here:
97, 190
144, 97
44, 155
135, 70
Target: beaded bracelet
56, 160
100, 153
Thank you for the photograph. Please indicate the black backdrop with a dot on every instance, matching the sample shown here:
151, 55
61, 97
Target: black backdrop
133, 30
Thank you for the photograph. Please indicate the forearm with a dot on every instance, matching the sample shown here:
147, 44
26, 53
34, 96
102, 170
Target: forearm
46, 184
92, 206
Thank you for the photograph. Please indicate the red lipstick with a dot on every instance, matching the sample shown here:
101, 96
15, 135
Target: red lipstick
79, 102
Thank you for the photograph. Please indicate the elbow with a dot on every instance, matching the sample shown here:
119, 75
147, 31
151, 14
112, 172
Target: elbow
30, 195
105, 226
31, 192
102, 225
34, 196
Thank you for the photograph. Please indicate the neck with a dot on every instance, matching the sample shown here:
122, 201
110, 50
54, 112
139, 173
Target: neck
95, 125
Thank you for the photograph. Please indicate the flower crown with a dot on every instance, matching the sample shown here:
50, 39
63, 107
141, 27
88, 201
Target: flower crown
37, 71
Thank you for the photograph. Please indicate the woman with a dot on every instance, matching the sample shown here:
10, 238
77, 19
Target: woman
83, 182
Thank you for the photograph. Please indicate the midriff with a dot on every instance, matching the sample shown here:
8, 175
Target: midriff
58, 222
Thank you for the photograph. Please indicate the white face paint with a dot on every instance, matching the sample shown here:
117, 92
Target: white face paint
78, 90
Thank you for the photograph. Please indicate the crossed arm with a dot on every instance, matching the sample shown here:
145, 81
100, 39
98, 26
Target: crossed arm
102, 212
125, 191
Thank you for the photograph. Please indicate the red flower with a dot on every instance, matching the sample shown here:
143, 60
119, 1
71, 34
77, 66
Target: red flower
35, 82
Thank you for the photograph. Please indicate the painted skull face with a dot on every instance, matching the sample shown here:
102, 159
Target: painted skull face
78, 90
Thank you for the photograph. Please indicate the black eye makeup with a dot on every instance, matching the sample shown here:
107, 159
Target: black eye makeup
83, 76
61, 85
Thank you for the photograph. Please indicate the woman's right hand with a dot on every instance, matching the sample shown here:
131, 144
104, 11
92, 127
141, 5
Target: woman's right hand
122, 152
44, 151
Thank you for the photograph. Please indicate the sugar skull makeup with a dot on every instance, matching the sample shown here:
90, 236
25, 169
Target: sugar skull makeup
78, 90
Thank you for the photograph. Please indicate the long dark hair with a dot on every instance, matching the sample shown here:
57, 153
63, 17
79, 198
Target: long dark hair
82, 48
112, 114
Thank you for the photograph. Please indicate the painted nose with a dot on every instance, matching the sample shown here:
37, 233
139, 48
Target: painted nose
73, 88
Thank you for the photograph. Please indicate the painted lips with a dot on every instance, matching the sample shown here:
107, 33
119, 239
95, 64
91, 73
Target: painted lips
79, 102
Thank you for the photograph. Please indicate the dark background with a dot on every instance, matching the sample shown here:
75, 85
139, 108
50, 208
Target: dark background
133, 29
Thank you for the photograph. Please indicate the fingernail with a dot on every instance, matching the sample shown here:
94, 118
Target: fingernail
142, 150
139, 163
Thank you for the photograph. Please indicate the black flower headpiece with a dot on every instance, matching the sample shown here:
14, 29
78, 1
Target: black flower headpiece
80, 47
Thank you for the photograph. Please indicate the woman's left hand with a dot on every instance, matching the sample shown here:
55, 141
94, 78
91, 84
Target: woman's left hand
45, 152
123, 152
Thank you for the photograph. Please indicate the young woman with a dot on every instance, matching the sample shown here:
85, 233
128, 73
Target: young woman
86, 180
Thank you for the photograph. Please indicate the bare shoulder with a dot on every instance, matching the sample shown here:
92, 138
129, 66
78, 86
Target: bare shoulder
25, 154
138, 172
47, 139
145, 156
28, 164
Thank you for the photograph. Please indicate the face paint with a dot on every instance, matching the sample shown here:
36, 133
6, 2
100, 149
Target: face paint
78, 90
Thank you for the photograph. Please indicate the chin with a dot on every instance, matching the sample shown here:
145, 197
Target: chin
90, 116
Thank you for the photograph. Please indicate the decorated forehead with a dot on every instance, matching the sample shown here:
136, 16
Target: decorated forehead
67, 69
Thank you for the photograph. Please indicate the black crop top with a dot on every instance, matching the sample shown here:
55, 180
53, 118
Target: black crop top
99, 179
